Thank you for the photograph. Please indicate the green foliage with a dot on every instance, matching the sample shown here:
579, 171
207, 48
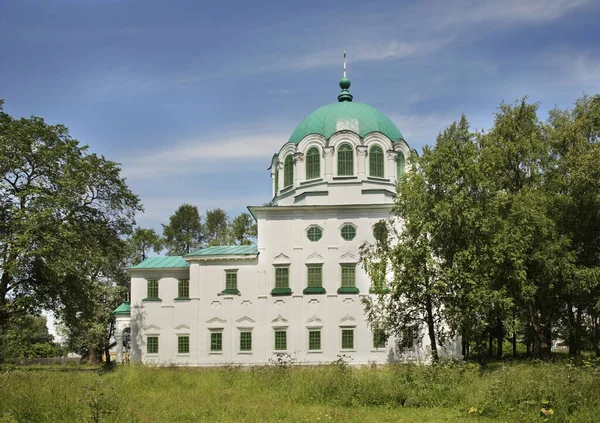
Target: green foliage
183, 234
141, 242
27, 337
500, 233
335, 392
216, 227
63, 212
243, 229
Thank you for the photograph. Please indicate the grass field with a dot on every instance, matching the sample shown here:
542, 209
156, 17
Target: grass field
333, 393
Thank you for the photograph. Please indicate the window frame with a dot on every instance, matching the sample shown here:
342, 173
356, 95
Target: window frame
288, 171
245, 341
376, 161
150, 290
231, 282
280, 280
400, 165
277, 342
180, 344
380, 339
276, 182
154, 345
348, 226
348, 285
318, 338
345, 160
347, 333
313, 163
310, 232
216, 339
183, 289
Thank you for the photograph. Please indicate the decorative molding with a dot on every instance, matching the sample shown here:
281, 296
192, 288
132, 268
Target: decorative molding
215, 323
348, 258
149, 327
328, 151
347, 223
184, 326
298, 157
313, 302
362, 150
314, 258
281, 259
348, 320
216, 304
391, 154
279, 303
348, 301
245, 321
246, 303
279, 322
314, 322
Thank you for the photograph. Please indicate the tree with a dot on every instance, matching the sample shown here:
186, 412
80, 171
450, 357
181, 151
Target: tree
573, 180
216, 227
28, 337
60, 206
141, 242
243, 229
183, 234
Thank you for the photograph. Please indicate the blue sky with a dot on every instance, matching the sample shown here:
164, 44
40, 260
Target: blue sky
193, 98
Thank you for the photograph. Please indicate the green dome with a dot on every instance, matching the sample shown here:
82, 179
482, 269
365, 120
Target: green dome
359, 118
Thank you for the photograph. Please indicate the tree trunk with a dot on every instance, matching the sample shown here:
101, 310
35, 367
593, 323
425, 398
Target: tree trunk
542, 339
480, 345
578, 332
491, 343
596, 331
431, 329
514, 345
500, 340
571, 330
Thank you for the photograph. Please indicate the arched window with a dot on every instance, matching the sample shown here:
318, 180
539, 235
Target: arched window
345, 160
313, 164
288, 171
376, 162
399, 166
276, 180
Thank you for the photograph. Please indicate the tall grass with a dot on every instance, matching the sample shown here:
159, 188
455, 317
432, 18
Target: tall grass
337, 392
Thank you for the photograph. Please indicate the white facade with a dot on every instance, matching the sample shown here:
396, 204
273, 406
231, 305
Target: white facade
328, 202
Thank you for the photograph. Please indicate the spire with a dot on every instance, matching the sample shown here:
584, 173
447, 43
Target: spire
344, 85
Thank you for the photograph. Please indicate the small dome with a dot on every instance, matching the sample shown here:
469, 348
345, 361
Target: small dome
359, 118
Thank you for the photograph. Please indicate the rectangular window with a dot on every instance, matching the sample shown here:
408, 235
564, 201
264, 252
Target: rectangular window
347, 339
315, 276
379, 338
281, 340
152, 289
245, 341
183, 344
152, 345
314, 339
282, 277
216, 341
183, 290
231, 279
348, 276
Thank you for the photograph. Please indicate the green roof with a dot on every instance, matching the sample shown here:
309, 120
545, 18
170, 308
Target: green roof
359, 118
226, 250
345, 115
122, 309
168, 262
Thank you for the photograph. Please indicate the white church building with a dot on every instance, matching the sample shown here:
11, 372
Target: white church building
299, 290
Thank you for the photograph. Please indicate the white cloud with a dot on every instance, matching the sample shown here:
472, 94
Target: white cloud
507, 11
205, 153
